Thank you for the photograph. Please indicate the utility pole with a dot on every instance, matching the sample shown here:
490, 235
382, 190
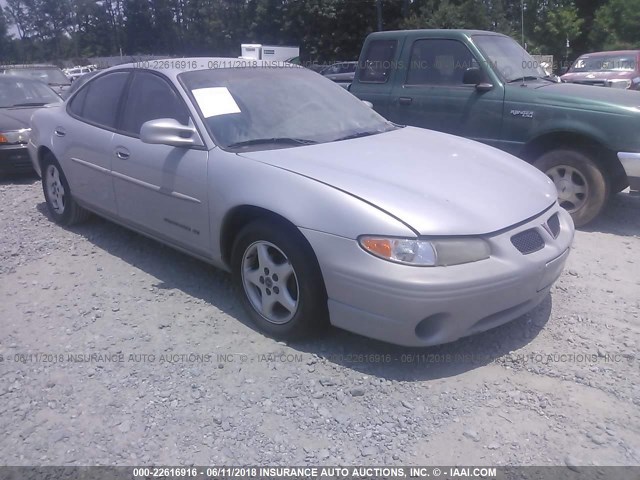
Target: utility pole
379, 12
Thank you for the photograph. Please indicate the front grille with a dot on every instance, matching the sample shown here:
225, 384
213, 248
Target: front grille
528, 241
554, 225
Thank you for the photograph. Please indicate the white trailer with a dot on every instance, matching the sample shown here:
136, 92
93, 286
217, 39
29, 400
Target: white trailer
277, 53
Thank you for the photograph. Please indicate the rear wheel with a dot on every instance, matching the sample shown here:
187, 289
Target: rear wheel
278, 278
61, 204
582, 187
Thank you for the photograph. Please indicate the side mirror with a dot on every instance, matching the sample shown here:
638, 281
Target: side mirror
472, 76
168, 131
367, 103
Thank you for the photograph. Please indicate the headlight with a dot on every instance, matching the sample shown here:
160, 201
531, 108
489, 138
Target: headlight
427, 253
619, 83
15, 136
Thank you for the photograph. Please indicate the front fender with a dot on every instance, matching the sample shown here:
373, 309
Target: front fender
237, 181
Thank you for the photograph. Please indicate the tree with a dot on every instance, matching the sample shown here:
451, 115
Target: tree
138, 27
559, 24
615, 26
5, 41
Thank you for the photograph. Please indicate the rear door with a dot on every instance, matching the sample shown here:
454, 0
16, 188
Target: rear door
432, 94
83, 139
160, 188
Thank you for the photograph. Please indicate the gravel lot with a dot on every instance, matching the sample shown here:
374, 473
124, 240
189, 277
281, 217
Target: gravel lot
117, 350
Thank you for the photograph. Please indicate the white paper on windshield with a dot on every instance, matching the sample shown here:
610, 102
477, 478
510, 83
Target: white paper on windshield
214, 101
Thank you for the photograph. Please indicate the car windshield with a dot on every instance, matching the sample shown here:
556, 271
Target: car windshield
288, 105
16, 92
52, 76
508, 58
601, 63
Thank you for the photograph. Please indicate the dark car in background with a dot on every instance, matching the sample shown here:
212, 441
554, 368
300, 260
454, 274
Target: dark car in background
49, 74
617, 69
341, 72
19, 98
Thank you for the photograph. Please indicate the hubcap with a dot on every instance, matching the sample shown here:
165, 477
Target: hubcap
572, 187
55, 190
270, 282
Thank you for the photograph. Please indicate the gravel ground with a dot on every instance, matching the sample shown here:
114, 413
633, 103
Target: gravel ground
119, 351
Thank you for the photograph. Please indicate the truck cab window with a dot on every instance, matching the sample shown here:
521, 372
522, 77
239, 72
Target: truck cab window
378, 61
439, 62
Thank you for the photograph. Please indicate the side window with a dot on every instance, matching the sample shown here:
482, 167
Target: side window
76, 105
151, 97
100, 103
439, 62
378, 61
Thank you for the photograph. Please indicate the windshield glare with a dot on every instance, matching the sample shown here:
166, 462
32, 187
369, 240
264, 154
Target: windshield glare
52, 76
278, 102
509, 59
604, 63
15, 91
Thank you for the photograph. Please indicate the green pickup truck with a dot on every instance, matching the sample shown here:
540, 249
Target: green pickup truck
485, 86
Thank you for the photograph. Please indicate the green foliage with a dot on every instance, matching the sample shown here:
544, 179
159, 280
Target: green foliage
325, 30
616, 25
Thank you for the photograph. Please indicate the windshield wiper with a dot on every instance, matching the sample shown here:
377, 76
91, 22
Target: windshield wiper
357, 135
548, 78
30, 104
524, 78
281, 140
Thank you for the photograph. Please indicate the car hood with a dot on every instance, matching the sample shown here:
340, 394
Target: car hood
584, 97
438, 184
15, 118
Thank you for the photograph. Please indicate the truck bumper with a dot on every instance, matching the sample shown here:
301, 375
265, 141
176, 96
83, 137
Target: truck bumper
631, 163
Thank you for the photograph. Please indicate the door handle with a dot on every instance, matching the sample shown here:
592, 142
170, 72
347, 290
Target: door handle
122, 154
405, 100
59, 132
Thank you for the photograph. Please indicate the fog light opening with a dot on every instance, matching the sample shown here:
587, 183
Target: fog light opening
431, 326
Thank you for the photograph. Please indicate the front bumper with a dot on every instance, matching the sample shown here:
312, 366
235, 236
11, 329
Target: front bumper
15, 159
422, 306
631, 163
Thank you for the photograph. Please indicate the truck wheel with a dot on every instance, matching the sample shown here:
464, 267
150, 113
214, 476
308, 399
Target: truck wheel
61, 204
278, 278
583, 188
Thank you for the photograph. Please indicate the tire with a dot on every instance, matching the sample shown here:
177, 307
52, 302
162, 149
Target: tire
61, 205
583, 188
296, 303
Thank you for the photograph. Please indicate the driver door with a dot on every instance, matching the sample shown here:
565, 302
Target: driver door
434, 96
160, 189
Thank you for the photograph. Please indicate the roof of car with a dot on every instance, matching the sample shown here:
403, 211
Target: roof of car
433, 32
612, 52
23, 66
172, 67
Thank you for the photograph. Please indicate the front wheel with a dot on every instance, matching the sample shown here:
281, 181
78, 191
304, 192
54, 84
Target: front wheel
582, 187
278, 278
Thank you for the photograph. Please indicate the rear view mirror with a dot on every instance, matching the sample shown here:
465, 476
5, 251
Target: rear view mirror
168, 131
472, 76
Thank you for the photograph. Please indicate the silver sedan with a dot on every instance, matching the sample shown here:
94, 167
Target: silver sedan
323, 211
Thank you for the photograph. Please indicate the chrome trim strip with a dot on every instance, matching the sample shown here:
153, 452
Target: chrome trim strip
91, 165
155, 188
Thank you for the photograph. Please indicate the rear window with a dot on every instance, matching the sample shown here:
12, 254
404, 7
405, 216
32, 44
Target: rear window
378, 61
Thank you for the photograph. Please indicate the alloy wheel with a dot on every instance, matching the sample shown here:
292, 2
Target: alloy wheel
270, 282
